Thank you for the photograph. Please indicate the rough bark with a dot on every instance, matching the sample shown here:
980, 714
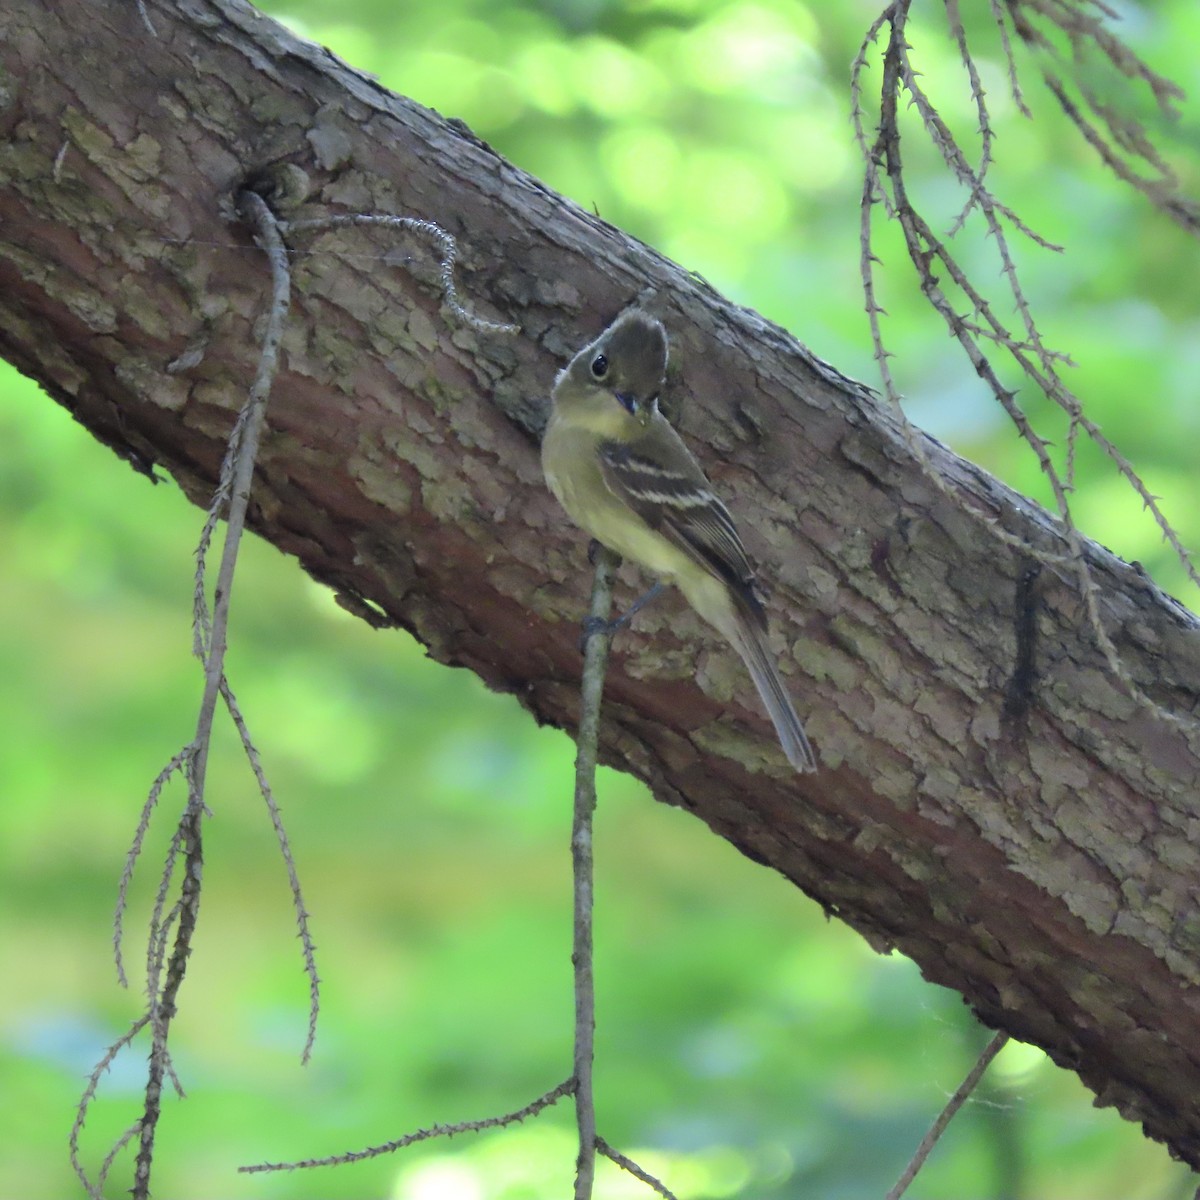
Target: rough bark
990, 801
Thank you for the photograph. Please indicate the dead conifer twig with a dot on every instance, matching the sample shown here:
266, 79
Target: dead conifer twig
423, 1135
230, 501
243, 451
595, 664
627, 1164
884, 183
431, 231
165, 976
956, 1101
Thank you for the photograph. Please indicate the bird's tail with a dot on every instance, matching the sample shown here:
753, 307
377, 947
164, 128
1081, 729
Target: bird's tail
750, 642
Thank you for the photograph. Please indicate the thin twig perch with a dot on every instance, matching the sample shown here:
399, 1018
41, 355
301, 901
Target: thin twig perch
595, 663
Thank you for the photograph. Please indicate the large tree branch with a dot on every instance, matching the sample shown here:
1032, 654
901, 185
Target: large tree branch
990, 801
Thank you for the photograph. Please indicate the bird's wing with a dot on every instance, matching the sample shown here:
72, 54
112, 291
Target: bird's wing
674, 497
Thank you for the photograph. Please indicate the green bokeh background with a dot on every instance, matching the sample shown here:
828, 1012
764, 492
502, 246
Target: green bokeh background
746, 1046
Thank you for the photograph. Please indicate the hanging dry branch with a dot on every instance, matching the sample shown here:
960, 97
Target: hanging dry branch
230, 501
961, 1095
970, 317
546, 1100
165, 976
1119, 138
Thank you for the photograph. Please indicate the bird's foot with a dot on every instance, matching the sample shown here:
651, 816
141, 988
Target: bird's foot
595, 625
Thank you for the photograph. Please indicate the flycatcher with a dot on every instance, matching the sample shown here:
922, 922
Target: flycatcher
624, 475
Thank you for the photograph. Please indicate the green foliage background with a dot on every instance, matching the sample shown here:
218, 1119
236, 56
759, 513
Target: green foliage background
747, 1048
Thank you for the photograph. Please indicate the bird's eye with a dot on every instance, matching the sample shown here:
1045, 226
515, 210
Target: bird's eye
599, 366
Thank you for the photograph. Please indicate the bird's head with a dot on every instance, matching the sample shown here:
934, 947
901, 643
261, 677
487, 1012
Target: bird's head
619, 375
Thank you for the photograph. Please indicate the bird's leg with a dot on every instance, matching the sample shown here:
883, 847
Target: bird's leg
593, 625
638, 605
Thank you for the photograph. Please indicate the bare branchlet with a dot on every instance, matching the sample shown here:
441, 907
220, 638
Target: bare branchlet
165, 972
423, 1135
178, 763
173, 920
95, 1187
961, 1094
595, 665
307, 946
951, 290
1050, 27
143, 12
430, 230
627, 1164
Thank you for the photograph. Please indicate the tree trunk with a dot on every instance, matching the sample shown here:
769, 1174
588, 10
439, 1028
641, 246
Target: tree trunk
990, 801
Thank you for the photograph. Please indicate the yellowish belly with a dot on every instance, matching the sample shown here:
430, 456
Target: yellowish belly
575, 478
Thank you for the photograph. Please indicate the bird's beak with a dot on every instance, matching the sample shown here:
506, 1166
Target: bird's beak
628, 401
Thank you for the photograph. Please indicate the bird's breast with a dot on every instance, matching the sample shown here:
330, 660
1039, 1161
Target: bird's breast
574, 475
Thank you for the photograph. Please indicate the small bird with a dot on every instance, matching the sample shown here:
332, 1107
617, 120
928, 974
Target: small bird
623, 475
